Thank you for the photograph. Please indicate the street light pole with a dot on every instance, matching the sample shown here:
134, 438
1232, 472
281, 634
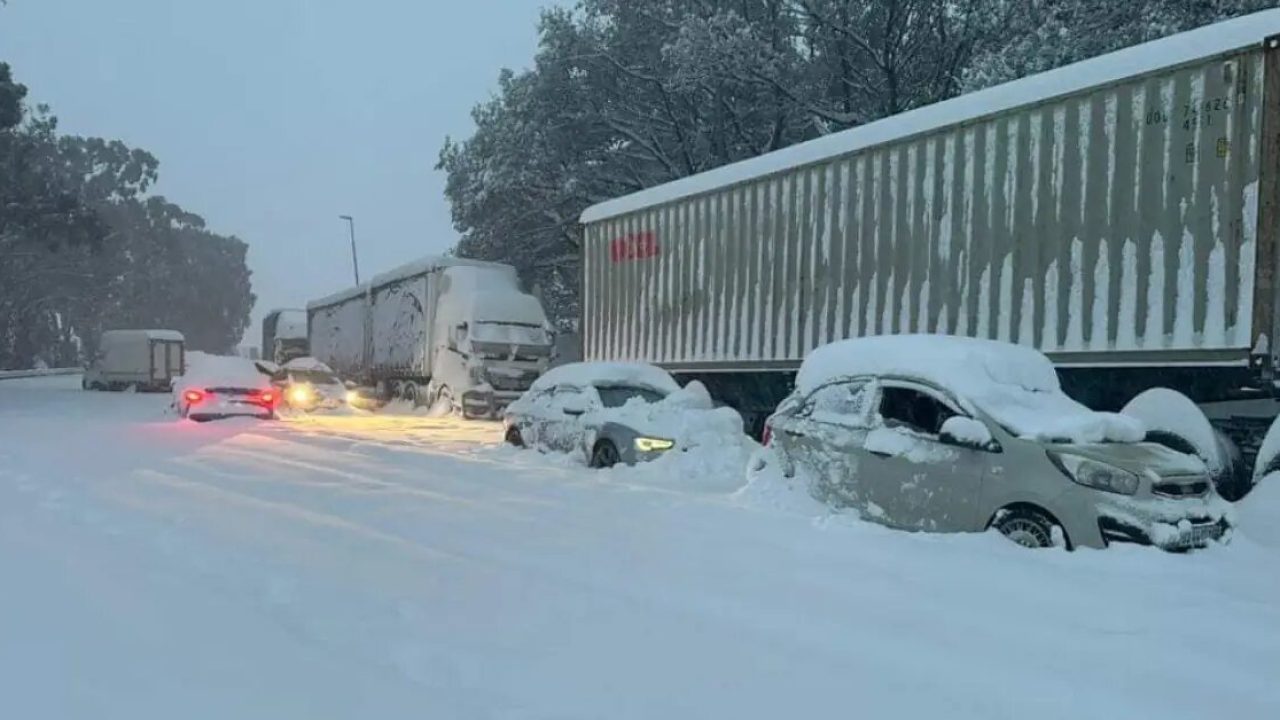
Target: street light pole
355, 264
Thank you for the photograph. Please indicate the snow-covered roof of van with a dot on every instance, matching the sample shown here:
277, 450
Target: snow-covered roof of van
167, 335
408, 270
1180, 49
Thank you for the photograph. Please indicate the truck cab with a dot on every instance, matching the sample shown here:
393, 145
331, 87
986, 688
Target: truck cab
497, 341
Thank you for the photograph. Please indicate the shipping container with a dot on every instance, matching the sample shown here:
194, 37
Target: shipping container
1118, 214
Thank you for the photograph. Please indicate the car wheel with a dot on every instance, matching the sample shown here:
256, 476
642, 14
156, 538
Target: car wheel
1029, 528
605, 455
514, 438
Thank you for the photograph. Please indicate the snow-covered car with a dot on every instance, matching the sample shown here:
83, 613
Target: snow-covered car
949, 434
615, 413
215, 387
307, 384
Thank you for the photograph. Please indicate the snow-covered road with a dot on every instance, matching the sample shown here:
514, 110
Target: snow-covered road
405, 567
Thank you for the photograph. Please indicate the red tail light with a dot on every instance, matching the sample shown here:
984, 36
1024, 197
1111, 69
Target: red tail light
193, 397
268, 398
767, 437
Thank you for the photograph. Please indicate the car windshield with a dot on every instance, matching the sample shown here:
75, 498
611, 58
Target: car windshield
314, 377
619, 395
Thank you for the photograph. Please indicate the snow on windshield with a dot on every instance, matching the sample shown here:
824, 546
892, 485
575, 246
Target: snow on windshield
1017, 386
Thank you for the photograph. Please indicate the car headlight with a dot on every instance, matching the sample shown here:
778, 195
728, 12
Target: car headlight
299, 394
1097, 475
353, 397
648, 444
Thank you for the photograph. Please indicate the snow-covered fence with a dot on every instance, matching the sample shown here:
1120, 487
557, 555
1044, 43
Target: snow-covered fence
44, 372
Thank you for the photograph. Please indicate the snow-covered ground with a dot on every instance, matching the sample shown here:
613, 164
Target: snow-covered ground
396, 567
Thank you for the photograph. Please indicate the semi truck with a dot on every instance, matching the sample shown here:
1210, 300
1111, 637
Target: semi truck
284, 336
1118, 214
439, 331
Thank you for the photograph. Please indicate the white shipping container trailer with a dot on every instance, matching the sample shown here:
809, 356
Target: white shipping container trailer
1119, 214
438, 328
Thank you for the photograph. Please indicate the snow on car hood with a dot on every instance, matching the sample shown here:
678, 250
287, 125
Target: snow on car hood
711, 452
1016, 386
687, 416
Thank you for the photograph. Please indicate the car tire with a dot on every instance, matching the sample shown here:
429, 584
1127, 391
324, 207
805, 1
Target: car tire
605, 455
514, 438
1027, 527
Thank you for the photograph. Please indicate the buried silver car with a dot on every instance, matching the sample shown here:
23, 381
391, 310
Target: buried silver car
616, 413
949, 434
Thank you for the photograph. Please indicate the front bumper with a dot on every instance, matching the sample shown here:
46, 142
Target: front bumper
490, 404
1188, 534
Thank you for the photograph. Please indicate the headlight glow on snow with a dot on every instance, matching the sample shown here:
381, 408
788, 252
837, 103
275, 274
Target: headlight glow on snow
1097, 475
648, 444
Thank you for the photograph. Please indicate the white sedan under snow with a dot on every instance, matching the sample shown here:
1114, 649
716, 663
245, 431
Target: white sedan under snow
616, 413
215, 387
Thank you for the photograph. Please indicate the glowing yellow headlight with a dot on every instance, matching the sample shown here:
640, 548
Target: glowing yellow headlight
648, 444
299, 394
353, 397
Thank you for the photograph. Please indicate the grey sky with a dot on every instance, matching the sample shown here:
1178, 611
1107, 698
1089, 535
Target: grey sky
272, 117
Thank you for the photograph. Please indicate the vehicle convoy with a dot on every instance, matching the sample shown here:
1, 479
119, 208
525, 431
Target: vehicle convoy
284, 336
955, 434
1119, 214
615, 413
441, 330
307, 384
216, 387
145, 359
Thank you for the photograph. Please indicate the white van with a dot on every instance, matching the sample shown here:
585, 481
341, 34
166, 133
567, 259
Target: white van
148, 359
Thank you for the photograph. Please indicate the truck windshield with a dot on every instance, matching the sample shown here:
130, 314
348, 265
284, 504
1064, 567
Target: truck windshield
509, 333
618, 395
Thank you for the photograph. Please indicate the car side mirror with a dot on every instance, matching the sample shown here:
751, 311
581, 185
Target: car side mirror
968, 433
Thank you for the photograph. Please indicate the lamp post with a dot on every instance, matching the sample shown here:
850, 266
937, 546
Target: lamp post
351, 226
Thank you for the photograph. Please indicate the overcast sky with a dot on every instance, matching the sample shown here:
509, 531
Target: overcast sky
272, 117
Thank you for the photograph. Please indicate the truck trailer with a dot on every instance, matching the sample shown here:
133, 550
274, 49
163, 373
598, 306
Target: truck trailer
439, 330
1118, 214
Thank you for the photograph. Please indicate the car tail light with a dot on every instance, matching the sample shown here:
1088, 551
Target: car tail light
193, 397
268, 398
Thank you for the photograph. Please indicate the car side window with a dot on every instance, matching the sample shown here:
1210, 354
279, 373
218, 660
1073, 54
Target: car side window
843, 403
915, 410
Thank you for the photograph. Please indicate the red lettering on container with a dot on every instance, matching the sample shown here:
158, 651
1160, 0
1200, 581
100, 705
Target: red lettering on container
636, 246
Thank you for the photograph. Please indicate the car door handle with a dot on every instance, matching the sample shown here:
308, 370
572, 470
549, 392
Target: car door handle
880, 454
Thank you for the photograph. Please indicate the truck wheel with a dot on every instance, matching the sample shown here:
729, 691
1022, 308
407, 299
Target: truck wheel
514, 438
409, 392
444, 398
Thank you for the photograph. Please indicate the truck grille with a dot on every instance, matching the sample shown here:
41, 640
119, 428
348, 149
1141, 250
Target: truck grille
512, 383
